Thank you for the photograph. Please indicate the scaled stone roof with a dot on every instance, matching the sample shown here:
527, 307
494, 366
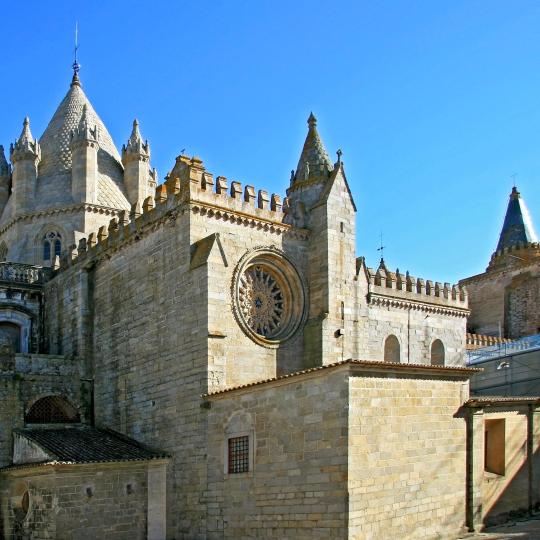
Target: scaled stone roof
54, 169
85, 444
518, 227
314, 161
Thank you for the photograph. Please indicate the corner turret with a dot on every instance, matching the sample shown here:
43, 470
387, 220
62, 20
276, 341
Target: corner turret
84, 151
139, 180
25, 155
5, 179
320, 200
313, 169
518, 243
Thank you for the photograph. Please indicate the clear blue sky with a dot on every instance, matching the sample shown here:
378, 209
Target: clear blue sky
435, 104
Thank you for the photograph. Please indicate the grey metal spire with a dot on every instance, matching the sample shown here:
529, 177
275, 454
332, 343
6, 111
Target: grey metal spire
518, 227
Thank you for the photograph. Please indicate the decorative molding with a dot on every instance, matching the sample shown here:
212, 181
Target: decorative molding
375, 299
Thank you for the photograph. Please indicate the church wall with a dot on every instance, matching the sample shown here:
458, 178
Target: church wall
407, 445
23, 380
416, 330
508, 298
297, 483
81, 502
234, 358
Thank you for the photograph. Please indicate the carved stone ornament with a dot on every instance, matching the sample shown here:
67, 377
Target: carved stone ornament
268, 296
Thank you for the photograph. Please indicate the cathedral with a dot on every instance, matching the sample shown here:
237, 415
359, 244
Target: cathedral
199, 359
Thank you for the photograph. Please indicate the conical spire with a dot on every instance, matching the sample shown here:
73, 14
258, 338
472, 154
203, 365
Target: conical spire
25, 143
26, 134
135, 133
314, 161
518, 227
135, 145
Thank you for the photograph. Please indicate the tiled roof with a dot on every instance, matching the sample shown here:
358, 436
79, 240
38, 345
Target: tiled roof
482, 401
368, 364
85, 444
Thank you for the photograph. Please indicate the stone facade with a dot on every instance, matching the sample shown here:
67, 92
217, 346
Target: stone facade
83, 502
504, 299
167, 309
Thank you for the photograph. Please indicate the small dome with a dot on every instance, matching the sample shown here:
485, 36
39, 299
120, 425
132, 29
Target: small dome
54, 169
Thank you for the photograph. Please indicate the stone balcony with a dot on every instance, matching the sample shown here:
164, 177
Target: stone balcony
25, 274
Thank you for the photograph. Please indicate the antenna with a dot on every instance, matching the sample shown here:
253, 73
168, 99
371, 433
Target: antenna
513, 177
381, 249
76, 66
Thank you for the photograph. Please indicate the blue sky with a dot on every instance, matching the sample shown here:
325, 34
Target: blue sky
435, 104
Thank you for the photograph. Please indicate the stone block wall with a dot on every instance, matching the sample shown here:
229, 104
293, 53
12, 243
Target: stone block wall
416, 330
297, 483
75, 502
505, 300
407, 445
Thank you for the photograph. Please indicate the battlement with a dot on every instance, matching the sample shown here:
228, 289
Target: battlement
389, 287
518, 254
188, 183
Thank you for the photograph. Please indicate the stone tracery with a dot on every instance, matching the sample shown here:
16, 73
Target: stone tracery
261, 301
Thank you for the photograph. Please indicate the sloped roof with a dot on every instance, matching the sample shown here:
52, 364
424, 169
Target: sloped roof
53, 187
518, 227
85, 444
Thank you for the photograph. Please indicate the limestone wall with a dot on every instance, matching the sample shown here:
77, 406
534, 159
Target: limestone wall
297, 484
505, 300
406, 456
82, 502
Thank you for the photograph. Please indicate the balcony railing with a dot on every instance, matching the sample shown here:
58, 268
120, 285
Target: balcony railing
23, 273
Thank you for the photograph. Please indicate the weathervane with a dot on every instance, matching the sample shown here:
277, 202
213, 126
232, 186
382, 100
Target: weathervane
381, 249
76, 66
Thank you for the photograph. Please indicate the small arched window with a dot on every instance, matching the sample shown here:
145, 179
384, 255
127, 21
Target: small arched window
52, 410
52, 246
437, 353
392, 349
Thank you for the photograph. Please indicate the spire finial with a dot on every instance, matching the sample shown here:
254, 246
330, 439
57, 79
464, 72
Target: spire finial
339, 154
381, 249
76, 66
312, 121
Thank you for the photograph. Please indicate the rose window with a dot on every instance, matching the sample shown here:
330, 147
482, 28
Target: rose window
269, 298
261, 301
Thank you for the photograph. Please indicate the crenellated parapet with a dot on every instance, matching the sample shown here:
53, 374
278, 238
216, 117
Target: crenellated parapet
189, 187
519, 254
395, 289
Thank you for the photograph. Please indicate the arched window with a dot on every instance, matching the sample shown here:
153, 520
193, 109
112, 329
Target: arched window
391, 349
52, 410
3, 252
12, 333
52, 246
437, 353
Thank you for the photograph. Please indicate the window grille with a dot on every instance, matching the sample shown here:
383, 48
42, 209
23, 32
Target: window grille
238, 454
52, 410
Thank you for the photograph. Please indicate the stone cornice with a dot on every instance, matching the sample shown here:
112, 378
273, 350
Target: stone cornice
95, 208
376, 299
214, 211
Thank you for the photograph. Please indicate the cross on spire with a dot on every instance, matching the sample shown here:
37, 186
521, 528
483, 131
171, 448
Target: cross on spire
76, 66
381, 249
